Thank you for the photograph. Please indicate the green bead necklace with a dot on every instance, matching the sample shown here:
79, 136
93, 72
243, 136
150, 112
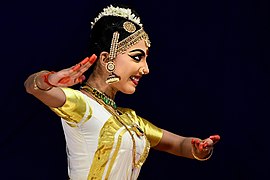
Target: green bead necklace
100, 95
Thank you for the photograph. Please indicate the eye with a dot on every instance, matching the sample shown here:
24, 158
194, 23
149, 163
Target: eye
136, 57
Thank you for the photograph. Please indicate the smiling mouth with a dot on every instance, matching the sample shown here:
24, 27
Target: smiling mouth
135, 79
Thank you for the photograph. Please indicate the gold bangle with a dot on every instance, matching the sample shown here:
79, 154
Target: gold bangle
36, 87
202, 159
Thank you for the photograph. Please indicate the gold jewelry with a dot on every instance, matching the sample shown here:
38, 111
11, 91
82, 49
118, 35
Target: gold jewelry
100, 95
113, 48
133, 39
122, 46
112, 78
36, 87
202, 159
110, 66
129, 27
141, 71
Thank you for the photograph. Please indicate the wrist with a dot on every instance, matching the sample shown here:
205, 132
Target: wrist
205, 157
41, 82
46, 78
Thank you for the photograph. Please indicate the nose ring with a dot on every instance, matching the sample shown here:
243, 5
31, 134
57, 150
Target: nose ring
141, 71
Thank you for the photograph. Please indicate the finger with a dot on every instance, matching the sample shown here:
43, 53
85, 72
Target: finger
197, 143
92, 59
81, 78
193, 142
205, 145
64, 80
83, 62
76, 67
78, 70
215, 138
201, 146
83, 65
77, 80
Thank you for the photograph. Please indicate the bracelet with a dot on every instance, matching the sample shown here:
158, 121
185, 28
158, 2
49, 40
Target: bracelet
36, 87
202, 159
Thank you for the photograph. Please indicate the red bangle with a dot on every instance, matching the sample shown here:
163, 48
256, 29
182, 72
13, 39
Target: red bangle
46, 76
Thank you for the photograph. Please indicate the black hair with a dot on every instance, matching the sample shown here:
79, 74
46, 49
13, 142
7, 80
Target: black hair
103, 29
102, 32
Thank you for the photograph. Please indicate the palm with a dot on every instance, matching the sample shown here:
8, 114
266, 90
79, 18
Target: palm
73, 75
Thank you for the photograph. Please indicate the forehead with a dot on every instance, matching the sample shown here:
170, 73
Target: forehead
140, 45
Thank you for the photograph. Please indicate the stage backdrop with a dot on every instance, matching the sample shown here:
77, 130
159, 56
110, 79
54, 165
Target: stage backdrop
209, 74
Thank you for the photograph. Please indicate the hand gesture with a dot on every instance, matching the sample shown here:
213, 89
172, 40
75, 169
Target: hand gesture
71, 76
202, 148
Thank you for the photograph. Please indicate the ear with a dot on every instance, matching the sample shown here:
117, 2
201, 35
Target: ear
104, 57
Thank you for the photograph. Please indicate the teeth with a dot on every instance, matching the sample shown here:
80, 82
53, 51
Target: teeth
134, 78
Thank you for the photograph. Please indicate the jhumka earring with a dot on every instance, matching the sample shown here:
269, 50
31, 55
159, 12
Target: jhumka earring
110, 66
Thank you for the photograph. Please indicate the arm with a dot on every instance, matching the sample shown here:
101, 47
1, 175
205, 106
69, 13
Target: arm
44, 85
35, 85
189, 147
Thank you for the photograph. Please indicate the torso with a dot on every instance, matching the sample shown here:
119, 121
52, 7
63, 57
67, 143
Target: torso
99, 146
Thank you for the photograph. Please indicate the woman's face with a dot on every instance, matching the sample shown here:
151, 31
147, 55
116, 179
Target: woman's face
128, 66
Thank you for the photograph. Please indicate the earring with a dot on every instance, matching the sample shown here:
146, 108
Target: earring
110, 66
112, 78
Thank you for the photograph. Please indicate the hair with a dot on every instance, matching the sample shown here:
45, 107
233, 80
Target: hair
102, 32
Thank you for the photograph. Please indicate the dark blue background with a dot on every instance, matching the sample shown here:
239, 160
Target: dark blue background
209, 74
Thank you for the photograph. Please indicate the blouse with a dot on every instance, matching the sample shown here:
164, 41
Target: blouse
98, 145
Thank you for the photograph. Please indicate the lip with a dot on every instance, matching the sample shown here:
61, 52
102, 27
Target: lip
135, 79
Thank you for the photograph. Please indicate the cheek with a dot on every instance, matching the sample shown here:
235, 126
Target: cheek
123, 71
122, 67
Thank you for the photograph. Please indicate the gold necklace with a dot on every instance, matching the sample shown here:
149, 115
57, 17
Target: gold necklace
101, 95
115, 113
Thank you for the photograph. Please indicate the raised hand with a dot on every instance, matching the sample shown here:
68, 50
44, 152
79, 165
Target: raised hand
70, 76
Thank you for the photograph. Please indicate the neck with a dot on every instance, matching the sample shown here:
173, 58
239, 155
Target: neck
100, 97
100, 84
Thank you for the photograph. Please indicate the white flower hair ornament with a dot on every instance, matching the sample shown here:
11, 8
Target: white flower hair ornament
117, 11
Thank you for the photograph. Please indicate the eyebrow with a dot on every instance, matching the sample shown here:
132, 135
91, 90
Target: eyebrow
134, 50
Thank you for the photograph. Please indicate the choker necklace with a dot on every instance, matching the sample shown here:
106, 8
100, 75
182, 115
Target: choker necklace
100, 95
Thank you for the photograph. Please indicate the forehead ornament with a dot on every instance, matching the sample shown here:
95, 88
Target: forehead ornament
133, 39
129, 27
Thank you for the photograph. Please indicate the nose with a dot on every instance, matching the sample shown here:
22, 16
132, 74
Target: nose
146, 68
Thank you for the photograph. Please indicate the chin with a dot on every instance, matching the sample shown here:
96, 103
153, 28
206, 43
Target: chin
129, 90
